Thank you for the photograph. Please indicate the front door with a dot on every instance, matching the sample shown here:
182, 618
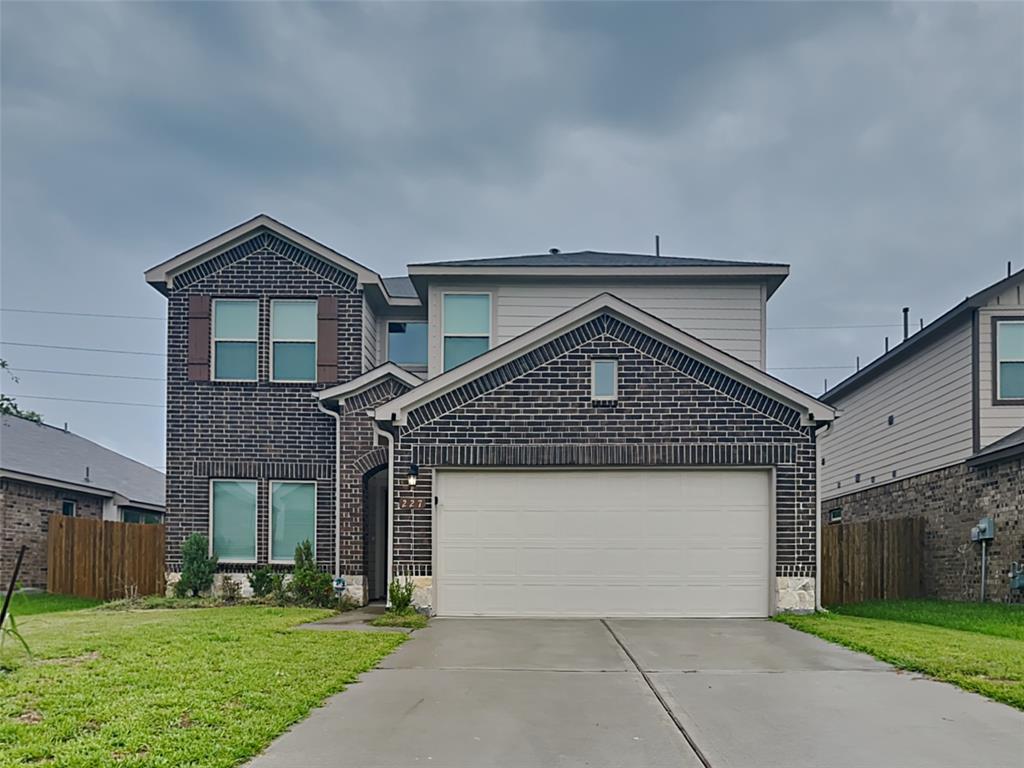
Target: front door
376, 518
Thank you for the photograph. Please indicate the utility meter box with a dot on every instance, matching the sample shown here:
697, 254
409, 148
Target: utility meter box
985, 530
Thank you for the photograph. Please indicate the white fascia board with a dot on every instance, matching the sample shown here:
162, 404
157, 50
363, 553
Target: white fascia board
814, 411
38, 480
367, 380
680, 271
165, 272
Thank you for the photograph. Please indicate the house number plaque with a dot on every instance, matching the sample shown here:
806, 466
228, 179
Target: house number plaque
412, 503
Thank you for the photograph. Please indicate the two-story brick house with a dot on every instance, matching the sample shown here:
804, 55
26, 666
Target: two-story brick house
564, 434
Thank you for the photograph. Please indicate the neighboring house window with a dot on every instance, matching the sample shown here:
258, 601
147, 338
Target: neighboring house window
835, 515
604, 379
293, 340
407, 343
68, 508
292, 518
466, 327
235, 328
1010, 359
233, 520
141, 516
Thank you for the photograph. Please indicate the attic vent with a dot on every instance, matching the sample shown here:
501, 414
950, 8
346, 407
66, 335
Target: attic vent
553, 251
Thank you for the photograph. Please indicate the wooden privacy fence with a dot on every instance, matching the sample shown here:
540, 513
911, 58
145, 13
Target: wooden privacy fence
103, 559
873, 560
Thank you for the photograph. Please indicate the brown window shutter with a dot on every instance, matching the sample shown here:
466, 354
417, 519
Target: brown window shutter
327, 339
199, 338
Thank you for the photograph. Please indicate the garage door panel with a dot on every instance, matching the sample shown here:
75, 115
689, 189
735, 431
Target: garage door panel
614, 543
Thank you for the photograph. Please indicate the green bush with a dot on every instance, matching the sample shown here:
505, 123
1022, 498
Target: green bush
230, 590
197, 567
262, 581
310, 585
400, 593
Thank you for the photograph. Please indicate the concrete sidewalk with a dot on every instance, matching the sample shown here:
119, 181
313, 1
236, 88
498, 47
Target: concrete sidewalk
469, 693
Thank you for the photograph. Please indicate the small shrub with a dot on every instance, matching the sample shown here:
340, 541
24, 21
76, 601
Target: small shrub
310, 585
345, 603
262, 581
197, 567
230, 590
400, 593
409, 618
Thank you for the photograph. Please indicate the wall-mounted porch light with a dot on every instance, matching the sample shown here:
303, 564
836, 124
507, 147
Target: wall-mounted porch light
414, 473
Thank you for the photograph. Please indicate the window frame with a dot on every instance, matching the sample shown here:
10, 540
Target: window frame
387, 343
74, 507
270, 520
490, 324
835, 515
256, 517
997, 398
615, 380
214, 338
315, 341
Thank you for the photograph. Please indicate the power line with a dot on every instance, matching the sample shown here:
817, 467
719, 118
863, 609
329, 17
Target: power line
83, 349
80, 314
77, 400
825, 327
83, 373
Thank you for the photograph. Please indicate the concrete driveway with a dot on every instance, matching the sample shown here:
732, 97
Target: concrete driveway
510, 692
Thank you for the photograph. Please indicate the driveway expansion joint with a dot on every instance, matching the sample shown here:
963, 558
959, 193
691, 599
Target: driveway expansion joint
661, 700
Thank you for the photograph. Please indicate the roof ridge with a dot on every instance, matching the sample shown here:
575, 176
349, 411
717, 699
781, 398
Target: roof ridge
69, 433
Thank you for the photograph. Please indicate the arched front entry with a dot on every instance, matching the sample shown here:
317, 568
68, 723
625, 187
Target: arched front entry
375, 532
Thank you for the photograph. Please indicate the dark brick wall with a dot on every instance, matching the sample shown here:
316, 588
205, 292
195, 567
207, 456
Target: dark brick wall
952, 500
25, 510
672, 411
261, 430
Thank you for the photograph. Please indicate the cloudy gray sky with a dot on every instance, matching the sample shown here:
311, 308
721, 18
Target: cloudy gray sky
878, 149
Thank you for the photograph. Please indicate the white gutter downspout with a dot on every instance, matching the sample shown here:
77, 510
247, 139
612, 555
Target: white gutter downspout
336, 415
817, 518
391, 501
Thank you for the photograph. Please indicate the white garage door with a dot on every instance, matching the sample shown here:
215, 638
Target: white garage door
603, 543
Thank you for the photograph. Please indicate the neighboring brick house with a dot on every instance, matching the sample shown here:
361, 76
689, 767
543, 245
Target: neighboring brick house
935, 428
566, 434
46, 471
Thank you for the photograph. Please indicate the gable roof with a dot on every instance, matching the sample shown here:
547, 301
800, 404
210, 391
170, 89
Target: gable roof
593, 259
600, 264
1009, 446
367, 380
162, 275
812, 410
918, 341
400, 287
41, 453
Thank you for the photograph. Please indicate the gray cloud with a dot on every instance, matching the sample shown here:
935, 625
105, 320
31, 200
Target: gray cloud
876, 148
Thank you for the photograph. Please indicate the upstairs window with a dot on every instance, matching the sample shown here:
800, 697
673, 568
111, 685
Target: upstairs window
235, 329
604, 380
1010, 359
466, 327
293, 340
407, 343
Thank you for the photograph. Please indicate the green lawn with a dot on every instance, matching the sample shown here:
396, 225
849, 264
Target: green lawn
28, 603
204, 687
977, 647
410, 619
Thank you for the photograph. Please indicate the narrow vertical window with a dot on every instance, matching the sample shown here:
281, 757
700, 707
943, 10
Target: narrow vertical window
233, 520
604, 380
1010, 359
292, 519
466, 327
293, 340
235, 329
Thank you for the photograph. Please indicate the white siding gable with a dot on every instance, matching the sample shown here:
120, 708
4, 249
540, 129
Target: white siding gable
996, 421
